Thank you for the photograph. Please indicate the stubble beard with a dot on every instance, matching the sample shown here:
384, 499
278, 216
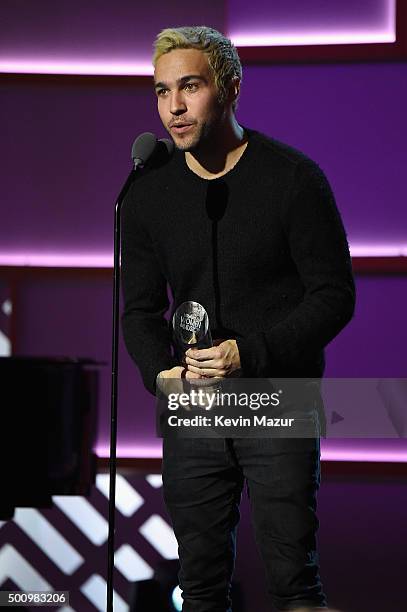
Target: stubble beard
203, 133
192, 142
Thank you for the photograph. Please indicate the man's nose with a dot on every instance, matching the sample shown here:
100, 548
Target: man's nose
177, 106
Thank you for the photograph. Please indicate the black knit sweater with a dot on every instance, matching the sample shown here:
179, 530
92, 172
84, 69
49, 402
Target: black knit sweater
262, 248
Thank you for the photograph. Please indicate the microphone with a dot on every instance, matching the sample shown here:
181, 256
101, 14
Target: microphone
169, 145
162, 153
143, 148
146, 148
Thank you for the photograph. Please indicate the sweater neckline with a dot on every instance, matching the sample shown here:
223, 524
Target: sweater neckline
234, 171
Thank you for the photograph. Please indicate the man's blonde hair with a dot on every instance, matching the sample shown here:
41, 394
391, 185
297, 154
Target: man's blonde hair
223, 58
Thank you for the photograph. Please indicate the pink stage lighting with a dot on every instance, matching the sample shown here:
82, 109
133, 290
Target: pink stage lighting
57, 260
97, 67
378, 250
360, 452
132, 452
312, 38
105, 260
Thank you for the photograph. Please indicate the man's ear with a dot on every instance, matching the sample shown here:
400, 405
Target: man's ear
234, 89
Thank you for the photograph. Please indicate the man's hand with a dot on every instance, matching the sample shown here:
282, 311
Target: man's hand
219, 360
178, 372
170, 381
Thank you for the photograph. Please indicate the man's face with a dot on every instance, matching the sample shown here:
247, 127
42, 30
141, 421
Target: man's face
188, 102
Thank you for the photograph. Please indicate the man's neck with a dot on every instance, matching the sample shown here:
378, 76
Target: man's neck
221, 156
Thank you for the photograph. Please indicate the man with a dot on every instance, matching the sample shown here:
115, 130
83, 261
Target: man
247, 227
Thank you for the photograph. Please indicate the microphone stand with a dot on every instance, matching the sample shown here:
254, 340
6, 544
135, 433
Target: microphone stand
113, 398
145, 148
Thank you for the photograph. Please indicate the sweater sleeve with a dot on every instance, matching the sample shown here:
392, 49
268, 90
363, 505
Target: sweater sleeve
145, 330
320, 251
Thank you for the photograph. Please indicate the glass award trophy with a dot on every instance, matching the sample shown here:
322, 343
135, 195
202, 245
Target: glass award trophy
191, 329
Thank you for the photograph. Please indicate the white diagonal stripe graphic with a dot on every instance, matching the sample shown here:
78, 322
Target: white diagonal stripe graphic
84, 516
95, 590
5, 345
131, 565
128, 501
161, 536
14, 567
48, 539
155, 480
7, 307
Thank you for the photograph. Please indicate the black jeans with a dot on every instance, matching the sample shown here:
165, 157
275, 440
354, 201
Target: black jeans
203, 480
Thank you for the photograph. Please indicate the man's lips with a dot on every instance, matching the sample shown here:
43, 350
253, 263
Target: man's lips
178, 128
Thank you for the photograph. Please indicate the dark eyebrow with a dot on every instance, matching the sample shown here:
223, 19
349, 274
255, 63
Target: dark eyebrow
162, 85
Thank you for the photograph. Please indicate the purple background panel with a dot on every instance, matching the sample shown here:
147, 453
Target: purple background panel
373, 343
62, 315
308, 16
66, 145
350, 119
105, 32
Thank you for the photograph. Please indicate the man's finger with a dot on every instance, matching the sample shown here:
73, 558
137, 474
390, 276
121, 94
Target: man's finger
207, 371
208, 363
202, 354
